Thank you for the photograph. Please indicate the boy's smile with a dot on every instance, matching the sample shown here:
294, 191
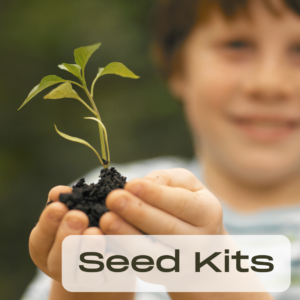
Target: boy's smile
240, 85
266, 128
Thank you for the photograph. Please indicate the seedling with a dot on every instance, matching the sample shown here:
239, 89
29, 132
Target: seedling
65, 90
88, 198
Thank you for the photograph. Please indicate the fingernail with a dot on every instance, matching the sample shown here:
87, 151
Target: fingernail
74, 223
114, 226
121, 204
56, 216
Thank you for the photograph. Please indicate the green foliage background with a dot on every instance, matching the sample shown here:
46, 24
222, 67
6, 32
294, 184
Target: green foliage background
141, 118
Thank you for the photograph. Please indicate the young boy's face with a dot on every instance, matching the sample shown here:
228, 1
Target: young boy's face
240, 86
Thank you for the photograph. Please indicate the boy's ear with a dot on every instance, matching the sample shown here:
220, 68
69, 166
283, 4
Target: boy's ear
176, 85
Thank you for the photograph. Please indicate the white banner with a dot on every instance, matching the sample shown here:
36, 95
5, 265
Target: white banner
179, 263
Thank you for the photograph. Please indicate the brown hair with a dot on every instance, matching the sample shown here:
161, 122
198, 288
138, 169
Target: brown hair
173, 20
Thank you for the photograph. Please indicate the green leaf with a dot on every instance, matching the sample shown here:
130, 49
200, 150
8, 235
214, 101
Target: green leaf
117, 69
78, 140
83, 54
63, 91
45, 82
98, 121
74, 69
114, 68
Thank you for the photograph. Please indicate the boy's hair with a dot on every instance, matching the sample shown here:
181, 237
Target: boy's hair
173, 20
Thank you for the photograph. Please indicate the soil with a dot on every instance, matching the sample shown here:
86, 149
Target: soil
91, 198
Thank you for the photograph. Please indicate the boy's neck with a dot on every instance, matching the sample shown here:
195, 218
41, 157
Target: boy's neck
245, 197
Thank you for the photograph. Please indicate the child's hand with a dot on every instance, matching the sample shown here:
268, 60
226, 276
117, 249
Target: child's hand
56, 222
163, 203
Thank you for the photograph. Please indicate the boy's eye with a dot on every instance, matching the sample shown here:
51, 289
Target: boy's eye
236, 49
237, 44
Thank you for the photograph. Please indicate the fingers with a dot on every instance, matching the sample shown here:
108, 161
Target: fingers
112, 224
145, 217
92, 231
56, 191
195, 208
74, 222
43, 235
176, 178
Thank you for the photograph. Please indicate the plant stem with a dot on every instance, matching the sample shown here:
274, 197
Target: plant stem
87, 106
92, 87
93, 84
102, 138
74, 82
105, 135
83, 78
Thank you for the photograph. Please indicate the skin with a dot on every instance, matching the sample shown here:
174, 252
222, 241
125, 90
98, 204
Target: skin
240, 87
239, 84
57, 222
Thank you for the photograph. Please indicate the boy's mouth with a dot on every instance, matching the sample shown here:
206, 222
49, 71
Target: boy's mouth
267, 129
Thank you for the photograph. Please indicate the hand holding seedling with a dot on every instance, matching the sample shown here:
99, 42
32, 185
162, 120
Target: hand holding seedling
55, 224
164, 202
170, 202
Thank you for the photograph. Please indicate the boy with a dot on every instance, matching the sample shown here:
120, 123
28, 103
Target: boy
235, 65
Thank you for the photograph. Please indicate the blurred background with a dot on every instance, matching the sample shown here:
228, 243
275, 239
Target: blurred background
142, 119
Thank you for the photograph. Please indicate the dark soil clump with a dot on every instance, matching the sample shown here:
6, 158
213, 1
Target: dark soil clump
91, 198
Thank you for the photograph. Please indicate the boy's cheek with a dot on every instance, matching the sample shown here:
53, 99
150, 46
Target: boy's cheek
252, 162
211, 125
205, 111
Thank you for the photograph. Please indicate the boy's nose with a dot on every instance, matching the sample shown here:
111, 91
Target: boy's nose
269, 81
